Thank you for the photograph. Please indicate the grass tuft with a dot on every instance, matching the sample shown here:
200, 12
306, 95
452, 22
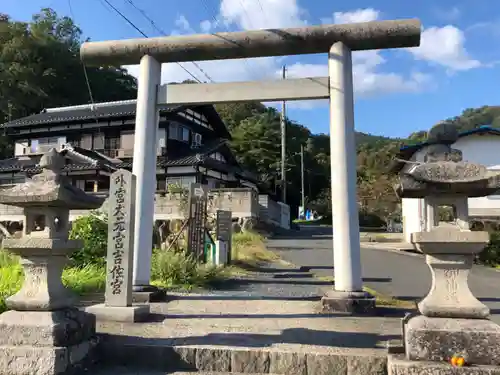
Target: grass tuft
176, 270
249, 250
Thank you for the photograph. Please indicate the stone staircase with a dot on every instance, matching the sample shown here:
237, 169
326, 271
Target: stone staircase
154, 358
243, 334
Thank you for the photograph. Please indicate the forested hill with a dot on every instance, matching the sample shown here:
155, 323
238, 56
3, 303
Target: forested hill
40, 68
256, 133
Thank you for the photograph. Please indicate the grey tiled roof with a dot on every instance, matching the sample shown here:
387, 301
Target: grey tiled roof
196, 156
83, 114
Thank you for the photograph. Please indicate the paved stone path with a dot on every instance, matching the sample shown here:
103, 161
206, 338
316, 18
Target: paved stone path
397, 274
275, 280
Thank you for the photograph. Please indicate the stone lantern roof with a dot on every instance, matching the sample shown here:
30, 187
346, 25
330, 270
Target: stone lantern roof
444, 171
49, 188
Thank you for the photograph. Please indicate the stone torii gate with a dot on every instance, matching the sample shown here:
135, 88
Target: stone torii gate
336, 40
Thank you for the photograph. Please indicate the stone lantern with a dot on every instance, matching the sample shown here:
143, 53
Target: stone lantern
43, 332
452, 322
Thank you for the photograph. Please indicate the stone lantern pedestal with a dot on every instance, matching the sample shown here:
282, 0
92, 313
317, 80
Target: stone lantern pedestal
43, 333
453, 321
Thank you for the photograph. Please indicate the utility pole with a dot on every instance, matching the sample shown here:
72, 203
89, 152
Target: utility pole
283, 145
303, 202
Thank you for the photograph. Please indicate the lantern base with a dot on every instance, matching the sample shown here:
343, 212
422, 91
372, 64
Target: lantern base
439, 339
45, 342
397, 364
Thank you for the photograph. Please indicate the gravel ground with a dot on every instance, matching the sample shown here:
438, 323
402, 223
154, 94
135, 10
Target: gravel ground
275, 280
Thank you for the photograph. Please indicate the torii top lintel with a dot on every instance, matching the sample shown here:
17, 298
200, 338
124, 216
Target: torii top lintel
255, 43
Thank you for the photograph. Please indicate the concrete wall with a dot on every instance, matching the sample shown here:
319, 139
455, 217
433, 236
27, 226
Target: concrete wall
285, 215
481, 149
241, 202
269, 210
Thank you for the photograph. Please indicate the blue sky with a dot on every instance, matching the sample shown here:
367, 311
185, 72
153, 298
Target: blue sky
397, 91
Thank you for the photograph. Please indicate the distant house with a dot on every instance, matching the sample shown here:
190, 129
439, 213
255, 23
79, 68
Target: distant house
480, 145
192, 146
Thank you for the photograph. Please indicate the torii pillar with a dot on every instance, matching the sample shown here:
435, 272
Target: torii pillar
336, 40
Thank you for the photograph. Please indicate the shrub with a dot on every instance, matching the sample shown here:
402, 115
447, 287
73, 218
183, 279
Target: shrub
87, 279
491, 253
370, 220
11, 275
92, 229
170, 268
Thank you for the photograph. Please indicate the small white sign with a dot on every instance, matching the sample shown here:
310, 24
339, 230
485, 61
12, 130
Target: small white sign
199, 192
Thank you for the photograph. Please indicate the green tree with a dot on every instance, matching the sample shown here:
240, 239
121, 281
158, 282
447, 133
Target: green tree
40, 67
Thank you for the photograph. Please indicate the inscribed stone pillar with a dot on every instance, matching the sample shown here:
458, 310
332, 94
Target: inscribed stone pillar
121, 219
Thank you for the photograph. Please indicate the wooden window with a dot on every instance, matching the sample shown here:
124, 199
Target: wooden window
89, 185
185, 134
112, 142
161, 183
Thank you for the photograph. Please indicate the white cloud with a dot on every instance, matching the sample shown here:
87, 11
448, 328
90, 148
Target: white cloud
445, 46
248, 14
182, 22
262, 14
356, 16
241, 14
228, 70
183, 26
205, 26
368, 79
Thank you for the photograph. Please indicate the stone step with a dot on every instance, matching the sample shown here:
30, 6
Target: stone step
120, 370
160, 355
293, 275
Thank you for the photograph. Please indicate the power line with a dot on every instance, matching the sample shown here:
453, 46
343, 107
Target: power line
85, 73
263, 12
144, 34
157, 28
246, 13
216, 23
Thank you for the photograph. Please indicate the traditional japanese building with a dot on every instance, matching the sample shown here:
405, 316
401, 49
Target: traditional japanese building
192, 146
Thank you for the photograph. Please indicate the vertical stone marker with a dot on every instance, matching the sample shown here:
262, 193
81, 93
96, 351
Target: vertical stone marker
121, 220
223, 231
197, 220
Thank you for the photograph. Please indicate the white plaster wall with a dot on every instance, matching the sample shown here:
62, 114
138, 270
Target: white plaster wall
411, 218
160, 139
482, 150
19, 147
61, 141
180, 170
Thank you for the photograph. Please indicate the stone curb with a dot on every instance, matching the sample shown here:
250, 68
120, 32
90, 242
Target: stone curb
383, 246
397, 364
151, 355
